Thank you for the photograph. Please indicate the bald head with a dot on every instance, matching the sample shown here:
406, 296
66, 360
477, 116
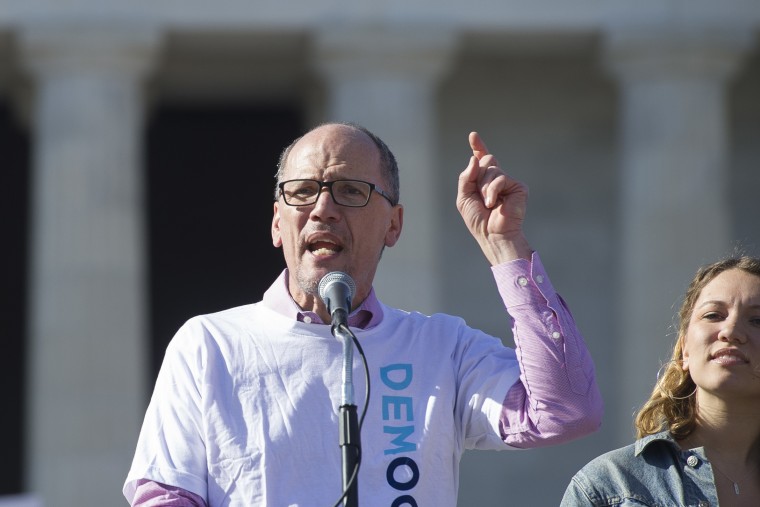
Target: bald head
351, 133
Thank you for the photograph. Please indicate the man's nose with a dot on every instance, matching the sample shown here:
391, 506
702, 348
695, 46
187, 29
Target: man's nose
325, 207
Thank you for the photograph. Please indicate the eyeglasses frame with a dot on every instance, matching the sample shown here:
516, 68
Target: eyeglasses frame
329, 185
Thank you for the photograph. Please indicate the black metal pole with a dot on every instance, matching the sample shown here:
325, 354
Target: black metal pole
349, 423
350, 452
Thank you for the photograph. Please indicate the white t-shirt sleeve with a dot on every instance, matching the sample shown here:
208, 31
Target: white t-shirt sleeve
171, 448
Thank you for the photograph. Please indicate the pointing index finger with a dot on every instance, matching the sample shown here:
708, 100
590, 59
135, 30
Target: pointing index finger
479, 148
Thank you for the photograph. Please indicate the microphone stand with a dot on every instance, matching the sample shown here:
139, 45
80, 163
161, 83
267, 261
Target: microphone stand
349, 423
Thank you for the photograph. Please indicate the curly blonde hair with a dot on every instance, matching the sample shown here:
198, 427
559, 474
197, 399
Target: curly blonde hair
672, 405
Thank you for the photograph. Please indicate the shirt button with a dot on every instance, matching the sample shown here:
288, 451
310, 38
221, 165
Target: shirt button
556, 335
522, 281
307, 319
692, 461
539, 278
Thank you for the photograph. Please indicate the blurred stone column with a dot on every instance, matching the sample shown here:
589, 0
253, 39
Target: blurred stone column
674, 174
385, 78
87, 309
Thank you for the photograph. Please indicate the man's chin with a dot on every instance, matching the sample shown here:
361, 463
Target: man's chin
308, 278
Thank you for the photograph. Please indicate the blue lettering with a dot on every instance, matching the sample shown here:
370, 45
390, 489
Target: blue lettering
400, 384
398, 402
404, 500
400, 441
398, 377
402, 486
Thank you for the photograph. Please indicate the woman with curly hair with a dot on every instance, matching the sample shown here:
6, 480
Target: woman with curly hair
698, 435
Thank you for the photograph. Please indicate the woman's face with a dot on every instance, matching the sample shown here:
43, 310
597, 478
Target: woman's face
721, 347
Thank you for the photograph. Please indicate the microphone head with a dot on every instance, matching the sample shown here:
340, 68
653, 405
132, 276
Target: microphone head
336, 284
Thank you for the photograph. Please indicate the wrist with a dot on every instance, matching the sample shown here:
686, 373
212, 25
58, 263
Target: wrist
507, 249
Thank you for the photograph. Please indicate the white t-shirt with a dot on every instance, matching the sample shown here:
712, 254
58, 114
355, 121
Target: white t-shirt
245, 409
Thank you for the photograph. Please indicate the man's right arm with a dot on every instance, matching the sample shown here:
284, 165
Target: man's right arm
169, 466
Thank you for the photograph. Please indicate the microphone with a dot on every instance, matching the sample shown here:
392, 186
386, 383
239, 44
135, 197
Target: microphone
337, 290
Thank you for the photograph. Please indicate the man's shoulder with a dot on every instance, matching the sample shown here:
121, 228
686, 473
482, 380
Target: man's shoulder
228, 315
449, 332
396, 316
229, 321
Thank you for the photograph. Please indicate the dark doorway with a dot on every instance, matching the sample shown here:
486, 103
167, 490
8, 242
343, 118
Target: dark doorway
14, 182
210, 174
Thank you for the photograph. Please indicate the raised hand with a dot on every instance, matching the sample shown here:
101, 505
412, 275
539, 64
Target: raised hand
493, 205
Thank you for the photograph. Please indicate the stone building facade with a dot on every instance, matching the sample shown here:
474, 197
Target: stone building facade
140, 138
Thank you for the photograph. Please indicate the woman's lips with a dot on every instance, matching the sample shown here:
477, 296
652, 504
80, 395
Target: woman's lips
730, 357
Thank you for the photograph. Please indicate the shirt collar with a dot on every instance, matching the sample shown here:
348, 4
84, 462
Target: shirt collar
277, 298
663, 436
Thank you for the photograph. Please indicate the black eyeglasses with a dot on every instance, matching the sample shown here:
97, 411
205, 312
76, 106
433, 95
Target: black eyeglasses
351, 193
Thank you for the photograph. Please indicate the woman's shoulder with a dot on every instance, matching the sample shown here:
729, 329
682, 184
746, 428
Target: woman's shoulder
629, 473
616, 458
644, 451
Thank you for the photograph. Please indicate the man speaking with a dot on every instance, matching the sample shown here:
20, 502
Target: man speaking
245, 410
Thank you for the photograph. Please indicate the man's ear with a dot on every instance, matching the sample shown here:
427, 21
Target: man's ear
276, 237
394, 229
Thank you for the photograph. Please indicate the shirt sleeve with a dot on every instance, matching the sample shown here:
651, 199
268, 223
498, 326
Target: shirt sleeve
171, 448
557, 398
155, 494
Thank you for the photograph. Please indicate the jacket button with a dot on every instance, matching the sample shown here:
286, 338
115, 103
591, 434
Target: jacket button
692, 461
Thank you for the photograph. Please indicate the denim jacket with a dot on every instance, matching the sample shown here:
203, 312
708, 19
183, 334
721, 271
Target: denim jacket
653, 471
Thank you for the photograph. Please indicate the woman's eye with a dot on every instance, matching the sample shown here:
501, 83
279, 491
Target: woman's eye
711, 316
